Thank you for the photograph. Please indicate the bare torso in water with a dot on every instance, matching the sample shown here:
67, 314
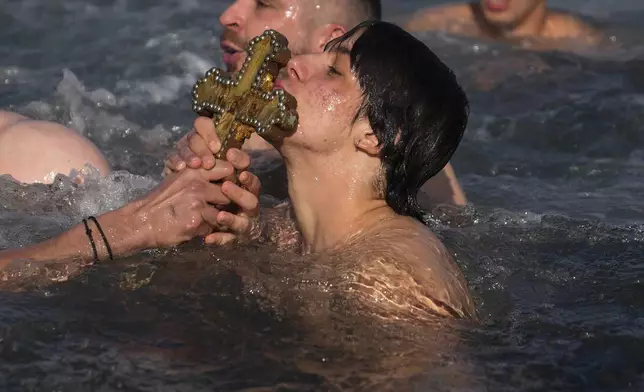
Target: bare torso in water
468, 19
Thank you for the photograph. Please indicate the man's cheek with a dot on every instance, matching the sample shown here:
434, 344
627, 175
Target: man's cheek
330, 101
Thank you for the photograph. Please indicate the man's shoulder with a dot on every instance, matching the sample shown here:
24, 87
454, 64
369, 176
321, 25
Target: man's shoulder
440, 17
406, 246
564, 25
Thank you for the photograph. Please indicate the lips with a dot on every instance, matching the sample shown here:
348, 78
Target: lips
497, 5
278, 85
232, 54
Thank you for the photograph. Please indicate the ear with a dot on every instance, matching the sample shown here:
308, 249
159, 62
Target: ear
326, 33
365, 140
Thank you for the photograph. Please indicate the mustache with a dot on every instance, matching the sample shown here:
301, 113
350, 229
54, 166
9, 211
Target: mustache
232, 37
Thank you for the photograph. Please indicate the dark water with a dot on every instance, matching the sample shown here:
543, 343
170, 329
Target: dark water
552, 162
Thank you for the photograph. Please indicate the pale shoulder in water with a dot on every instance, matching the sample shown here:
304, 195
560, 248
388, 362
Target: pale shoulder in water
34, 151
506, 20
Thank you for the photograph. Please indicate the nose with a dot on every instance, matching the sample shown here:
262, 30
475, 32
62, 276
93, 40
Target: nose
233, 18
298, 68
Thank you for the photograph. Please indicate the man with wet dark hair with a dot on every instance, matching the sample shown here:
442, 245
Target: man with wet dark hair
504, 19
354, 172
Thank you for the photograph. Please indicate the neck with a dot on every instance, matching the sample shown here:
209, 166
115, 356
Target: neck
331, 198
533, 24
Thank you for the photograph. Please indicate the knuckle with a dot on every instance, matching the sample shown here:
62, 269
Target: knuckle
242, 223
195, 140
256, 184
195, 204
191, 226
192, 222
186, 153
253, 204
195, 185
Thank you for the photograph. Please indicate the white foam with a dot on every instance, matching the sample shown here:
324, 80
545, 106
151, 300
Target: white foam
166, 88
103, 194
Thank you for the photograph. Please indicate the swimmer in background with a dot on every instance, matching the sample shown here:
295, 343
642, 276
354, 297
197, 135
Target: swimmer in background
34, 151
353, 178
509, 20
307, 24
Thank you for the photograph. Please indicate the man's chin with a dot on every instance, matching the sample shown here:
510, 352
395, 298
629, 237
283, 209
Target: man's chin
504, 20
230, 68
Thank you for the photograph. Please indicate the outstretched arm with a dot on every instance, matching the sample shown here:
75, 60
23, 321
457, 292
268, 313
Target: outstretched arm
120, 228
185, 205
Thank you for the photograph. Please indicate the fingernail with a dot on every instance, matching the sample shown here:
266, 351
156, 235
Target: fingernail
214, 146
243, 177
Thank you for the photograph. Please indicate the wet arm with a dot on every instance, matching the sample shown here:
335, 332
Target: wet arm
73, 246
444, 188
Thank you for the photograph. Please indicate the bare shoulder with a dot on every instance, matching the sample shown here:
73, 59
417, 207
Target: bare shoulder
416, 267
440, 17
563, 25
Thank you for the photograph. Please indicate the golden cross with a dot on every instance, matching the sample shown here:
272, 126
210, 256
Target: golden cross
246, 102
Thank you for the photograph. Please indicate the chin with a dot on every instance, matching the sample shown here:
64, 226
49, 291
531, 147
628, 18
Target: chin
501, 20
232, 67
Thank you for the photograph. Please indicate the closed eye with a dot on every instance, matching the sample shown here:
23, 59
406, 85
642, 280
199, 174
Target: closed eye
332, 71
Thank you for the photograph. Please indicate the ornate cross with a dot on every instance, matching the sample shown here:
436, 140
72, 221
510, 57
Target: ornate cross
246, 102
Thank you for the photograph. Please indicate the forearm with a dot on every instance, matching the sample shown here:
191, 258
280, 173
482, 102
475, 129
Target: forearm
121, 229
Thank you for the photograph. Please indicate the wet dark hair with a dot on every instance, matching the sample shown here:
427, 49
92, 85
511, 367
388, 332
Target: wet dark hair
414, 105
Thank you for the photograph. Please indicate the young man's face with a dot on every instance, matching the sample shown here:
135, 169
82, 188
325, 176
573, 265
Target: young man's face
246, 19
508, 13
328, 97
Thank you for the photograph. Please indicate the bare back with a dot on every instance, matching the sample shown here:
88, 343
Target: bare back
35, 151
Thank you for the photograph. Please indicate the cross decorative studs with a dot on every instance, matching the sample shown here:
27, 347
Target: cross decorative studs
246, 102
